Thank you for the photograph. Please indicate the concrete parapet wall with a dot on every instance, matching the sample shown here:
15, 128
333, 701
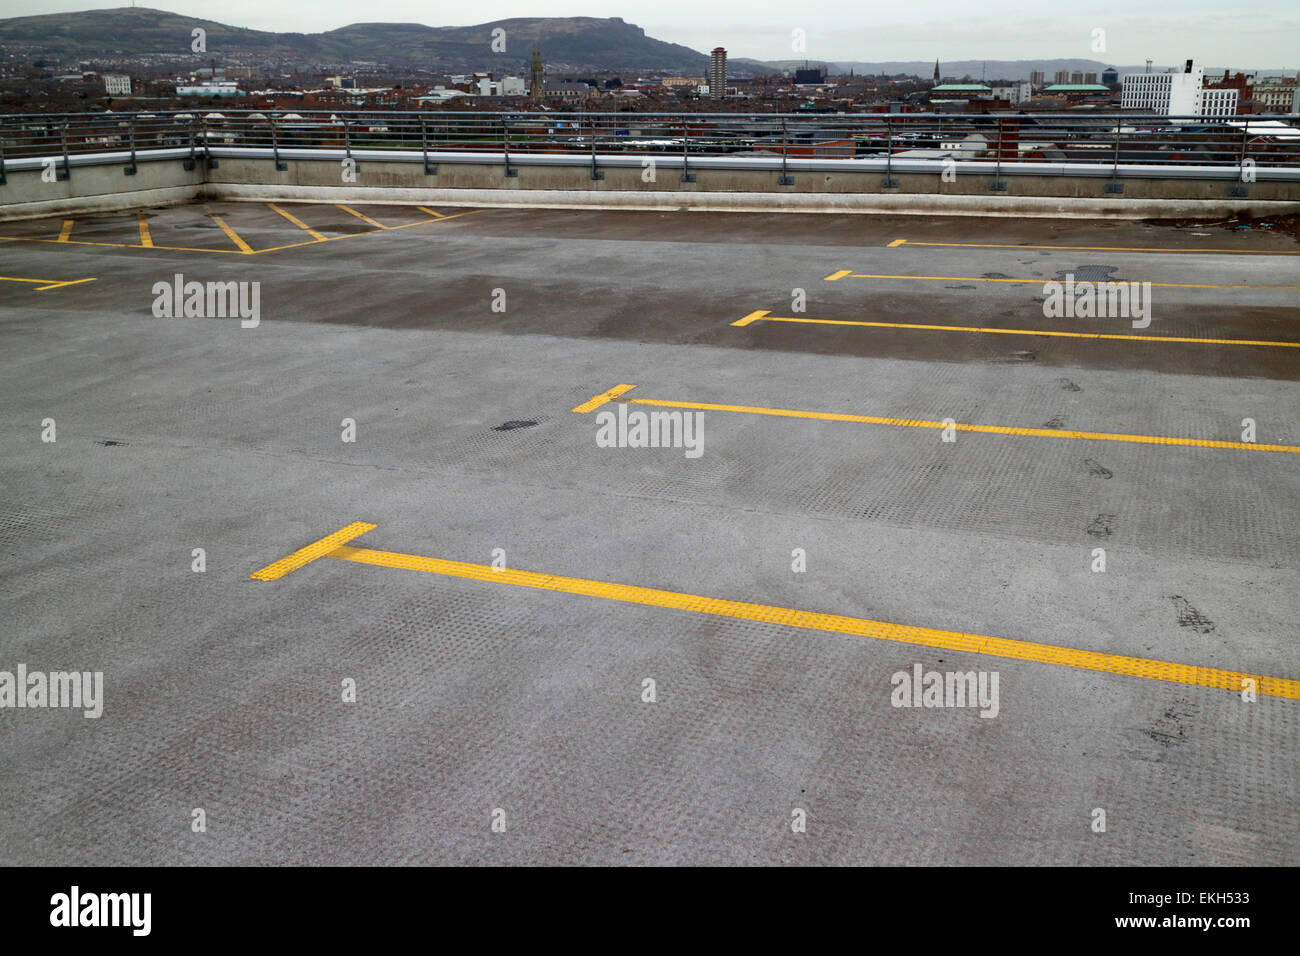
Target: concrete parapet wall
105, 187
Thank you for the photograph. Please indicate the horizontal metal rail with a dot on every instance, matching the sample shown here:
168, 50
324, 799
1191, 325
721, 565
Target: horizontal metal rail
1107, 144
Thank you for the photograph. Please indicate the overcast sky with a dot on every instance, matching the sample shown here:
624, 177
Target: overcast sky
1257, 33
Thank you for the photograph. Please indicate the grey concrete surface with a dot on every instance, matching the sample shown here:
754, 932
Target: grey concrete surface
224, 693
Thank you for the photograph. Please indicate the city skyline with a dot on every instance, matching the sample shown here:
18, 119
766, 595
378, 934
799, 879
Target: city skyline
1168, 33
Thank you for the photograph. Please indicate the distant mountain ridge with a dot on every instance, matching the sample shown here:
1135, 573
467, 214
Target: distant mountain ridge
589, 42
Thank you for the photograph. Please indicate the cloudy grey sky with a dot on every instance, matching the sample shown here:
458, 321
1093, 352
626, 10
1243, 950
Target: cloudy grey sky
1260, 33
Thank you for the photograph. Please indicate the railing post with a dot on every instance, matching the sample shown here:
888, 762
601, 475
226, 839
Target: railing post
1239, 189
1115, 187
687, 175
211, 160
998, 186
347, 145
424, 147
2, 163
67, 165
191, 163
280, 167
889, 182
595, 173
785, 178
131, 170
505, 140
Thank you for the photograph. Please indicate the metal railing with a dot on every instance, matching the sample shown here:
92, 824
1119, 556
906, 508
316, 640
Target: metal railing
1093, 144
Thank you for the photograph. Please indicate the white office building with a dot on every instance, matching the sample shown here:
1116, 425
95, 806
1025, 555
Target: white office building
1218, 103
117, 84
1169, 94
1176, 94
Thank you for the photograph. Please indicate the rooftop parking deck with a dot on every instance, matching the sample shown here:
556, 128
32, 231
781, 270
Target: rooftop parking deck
396, 473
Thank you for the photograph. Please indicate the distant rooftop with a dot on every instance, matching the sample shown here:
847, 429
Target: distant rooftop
961, 88
1077, 88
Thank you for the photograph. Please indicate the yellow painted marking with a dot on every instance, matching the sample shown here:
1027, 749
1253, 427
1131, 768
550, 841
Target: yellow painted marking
834, 623
838, 275
436, 215
296, 221
146, 240
896, 242
766, 317
66, 231
1161, 285
43, 284
354, 235
124, 245
361, 216
986, 245
71, 242
60, 285
317, 549
984, 429
236, 252
230, 233
596, 401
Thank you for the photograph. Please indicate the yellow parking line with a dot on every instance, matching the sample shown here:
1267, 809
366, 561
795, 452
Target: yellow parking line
454, 215
354, 235
230, 233
1161, 285
296, 221
66, 231
833, 623
838, 275
596, 401
956, 426
71, 242
988, 245
43, 284
124, 245
361, 216
762, 316
146, 239
60, 285
316, 549
436, 215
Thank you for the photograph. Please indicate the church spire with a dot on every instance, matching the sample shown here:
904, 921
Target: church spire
936, 72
